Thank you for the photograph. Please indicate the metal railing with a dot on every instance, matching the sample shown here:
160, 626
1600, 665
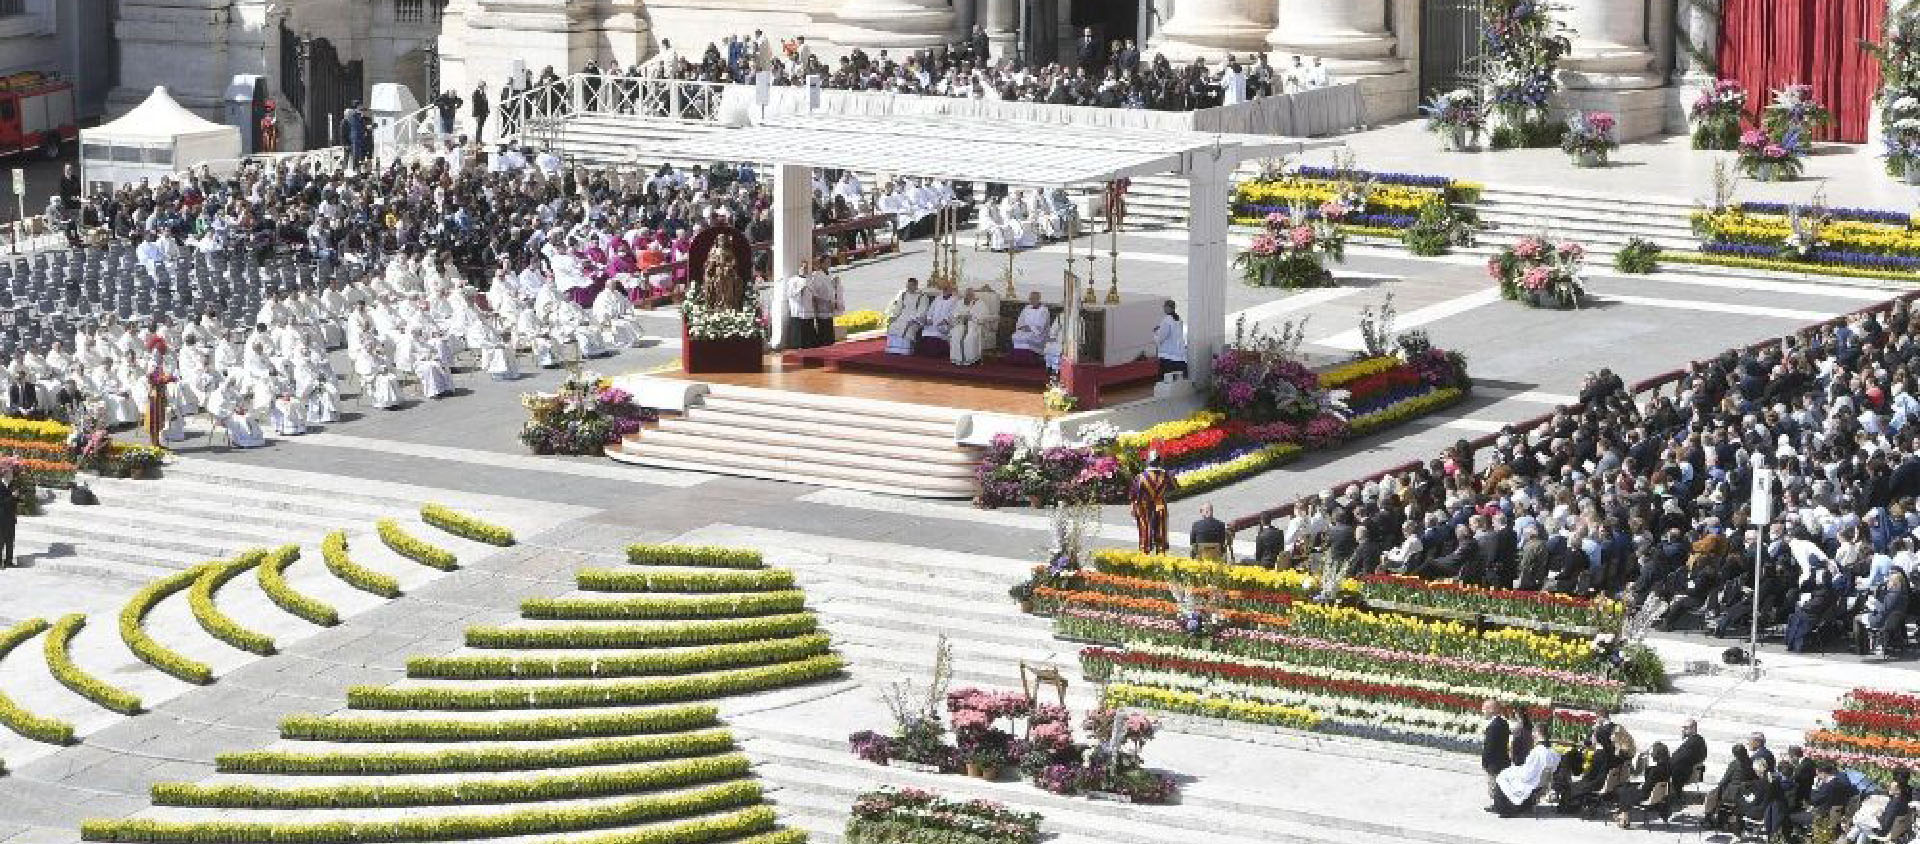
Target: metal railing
538, 114
1648, 388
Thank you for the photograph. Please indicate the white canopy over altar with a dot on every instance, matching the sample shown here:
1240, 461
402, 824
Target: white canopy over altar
1014, 153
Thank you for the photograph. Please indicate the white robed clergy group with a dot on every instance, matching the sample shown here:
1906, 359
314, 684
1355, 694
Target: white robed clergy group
401, 328
1022, 219
963, 326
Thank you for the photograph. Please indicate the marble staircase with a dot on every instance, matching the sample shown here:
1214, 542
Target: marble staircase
872, 446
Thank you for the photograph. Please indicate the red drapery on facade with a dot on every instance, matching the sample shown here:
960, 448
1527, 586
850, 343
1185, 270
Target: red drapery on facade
1769, 44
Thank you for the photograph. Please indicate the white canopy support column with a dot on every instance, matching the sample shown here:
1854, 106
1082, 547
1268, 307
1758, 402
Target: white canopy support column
792, 236
1206, 317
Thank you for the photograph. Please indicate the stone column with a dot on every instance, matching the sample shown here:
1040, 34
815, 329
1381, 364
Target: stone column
1351, 37
892, 24
792, 235
1209, 28
541, 33
1002, 20
1700, 22
1207, 270
181, 44
1611, 66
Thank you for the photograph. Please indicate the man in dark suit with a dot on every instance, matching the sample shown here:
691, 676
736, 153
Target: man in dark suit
979, 44
1495, 754
1799, 772
23, 397
1689, 754
1207, 530
1089, 51
1831, 792
9, 511
1268, 543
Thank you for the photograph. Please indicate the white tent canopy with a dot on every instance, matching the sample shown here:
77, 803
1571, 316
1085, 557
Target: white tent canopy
157, 138
1009, 152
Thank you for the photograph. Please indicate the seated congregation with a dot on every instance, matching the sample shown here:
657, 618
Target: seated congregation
1645, 498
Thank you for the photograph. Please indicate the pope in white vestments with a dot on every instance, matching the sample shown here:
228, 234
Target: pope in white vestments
936, 336
977, 330
1030, 332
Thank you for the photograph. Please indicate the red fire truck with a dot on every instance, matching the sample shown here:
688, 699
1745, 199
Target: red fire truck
36, 114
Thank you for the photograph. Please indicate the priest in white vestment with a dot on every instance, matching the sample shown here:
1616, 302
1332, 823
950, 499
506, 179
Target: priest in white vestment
906, 317
978, 329
936, 336
1030, 332
612, 309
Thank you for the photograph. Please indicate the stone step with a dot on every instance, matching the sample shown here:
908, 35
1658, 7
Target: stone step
802, 768
738, 434
107, 539
1538, 218
1654, 204
817, 453
748, 419
275, 485
291, 512
842, 404
883, 482
850, 421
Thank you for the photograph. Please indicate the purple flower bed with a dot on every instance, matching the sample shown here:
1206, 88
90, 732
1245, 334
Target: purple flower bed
1864, 260
1388, 399
1865, 215
1379, 221
1408, 179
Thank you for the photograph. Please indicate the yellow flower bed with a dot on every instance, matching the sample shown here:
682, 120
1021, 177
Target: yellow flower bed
1406, 632
1195, 481
1119, 695
1347, 373
857, 321
1168, 567
37, 430
1802, 268
1848, 235
1200, 421
1382, 198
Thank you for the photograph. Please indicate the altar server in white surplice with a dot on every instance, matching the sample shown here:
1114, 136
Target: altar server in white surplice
906, 317
1030, 330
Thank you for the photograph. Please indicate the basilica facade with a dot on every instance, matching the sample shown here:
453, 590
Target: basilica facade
1636, 58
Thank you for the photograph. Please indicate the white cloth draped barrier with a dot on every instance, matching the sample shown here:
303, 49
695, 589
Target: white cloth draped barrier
1314, 112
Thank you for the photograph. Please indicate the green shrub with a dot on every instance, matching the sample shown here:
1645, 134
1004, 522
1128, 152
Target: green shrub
16, 717
407, 546
711, 606
621, 580
704, 556
133, 629
462, 525
737, 655
725, 827
273, 581
59, 656
666, 719
644, 635
333, 550
1640, 256
218, 623
531, 821
470, 760
612, 693
1644, 670
569, 786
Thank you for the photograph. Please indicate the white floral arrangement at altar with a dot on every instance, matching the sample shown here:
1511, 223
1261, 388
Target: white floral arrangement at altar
705, 322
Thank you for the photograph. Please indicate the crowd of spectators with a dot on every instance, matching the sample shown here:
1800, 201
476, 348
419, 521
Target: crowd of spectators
1648, 501
1111, 75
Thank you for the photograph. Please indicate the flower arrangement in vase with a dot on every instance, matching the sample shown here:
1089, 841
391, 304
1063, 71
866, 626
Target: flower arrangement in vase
1899, 96
1522, 44
1765, 160
1540, 273
1792, 118
1589, 137
584, 417
1292, 249
1716, 115
1458, 118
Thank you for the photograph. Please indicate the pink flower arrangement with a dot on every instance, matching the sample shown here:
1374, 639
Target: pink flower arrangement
1332, 211
1601, 121
1529, 247
1774, 151
1324, 430
1572, 251
1753, 138
1536, 278
1264, 244
1301, 237
1274, 432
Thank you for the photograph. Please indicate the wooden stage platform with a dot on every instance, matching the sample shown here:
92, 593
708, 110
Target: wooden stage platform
988, 388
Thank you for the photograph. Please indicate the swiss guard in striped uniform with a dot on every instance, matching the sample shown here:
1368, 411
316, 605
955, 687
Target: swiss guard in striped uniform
1149, 497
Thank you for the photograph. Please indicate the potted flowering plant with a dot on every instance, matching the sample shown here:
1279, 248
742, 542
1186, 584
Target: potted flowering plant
1793, 117
1292, 248
1716, 115
1765, 160
1458, 118
1540, 273
585, 416
1589, 137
